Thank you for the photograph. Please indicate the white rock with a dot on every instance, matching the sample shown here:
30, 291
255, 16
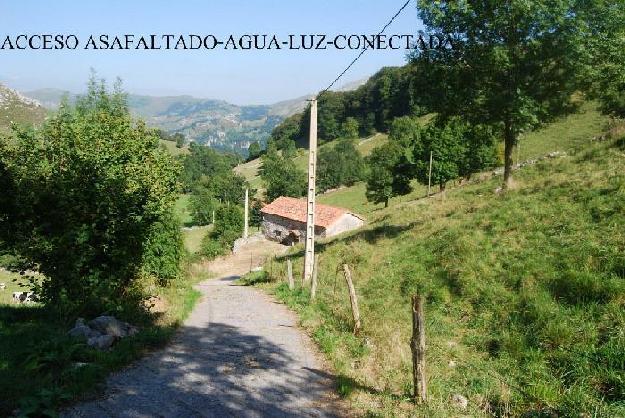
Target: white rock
460, 401
452, 363
3, 286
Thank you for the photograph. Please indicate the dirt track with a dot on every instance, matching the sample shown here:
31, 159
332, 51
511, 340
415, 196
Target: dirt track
240, 354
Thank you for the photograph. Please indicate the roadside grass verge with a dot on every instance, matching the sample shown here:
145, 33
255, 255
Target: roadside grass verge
42, 369
525, 292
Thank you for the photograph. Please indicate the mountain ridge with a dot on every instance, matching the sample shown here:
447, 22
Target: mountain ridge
212, 122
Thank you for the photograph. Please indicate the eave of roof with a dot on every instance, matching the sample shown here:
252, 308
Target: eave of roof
295, 209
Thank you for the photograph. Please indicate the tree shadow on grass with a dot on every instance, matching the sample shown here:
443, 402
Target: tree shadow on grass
370, 235
213, 371
22, 329
346, 385
38, 360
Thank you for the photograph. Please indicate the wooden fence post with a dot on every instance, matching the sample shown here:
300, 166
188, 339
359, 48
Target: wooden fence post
352, 298
418, 350
289, 268
313, 289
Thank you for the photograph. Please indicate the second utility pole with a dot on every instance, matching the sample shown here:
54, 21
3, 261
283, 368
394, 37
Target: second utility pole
309, 259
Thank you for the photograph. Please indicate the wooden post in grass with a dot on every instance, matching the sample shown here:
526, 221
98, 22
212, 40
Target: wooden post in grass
417, 345
313, 289
352, 298
289, 269
246, 226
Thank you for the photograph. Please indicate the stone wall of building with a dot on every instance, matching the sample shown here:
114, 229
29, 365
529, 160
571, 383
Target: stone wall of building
277, 228
346, 222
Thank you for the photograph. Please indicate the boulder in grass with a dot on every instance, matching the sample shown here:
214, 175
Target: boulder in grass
3, 286
81, 330
102, 332
110, 325
102, 342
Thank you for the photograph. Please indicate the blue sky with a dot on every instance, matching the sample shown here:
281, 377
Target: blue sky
241, 77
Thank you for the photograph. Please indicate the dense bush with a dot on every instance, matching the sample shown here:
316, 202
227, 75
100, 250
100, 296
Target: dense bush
281, 175
83, 196
228, 227
205, 162
389, 173
457, 149
163, 249
202, 205
340, 165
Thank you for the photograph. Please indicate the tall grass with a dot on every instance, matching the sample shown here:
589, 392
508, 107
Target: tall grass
525, 291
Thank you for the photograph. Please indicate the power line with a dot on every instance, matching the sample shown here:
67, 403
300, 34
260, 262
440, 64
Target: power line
365, 48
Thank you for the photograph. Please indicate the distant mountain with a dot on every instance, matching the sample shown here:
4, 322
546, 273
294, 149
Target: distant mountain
215, 123
16, 108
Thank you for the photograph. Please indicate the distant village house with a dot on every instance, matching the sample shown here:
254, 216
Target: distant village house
284, 220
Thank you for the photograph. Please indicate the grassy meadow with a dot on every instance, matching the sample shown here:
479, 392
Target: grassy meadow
171, 147
250, 169
525, 291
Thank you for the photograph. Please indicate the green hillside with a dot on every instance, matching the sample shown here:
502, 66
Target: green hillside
525, 290
15, 108
249, 170
171, 147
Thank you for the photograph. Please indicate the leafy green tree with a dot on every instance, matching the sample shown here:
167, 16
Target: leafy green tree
339, 165
605, 55
289, 131
254, 151
515, 64
163, 248
210, 193
389, 173
227, 229
202, 204
228, 223
405, 131
447, 144
329, 115
84, 196
349, 128
480, 150
179, 139
204, 162
228, 187
256, 216
281, 176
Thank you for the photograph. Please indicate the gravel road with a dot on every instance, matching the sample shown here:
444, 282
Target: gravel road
240, 354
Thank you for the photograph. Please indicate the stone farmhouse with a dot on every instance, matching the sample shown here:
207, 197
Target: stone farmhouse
284, 220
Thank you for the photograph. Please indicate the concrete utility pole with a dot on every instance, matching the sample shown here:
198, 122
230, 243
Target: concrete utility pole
247, 207
309, 259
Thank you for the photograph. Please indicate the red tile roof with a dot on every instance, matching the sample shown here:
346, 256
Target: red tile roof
295, 209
